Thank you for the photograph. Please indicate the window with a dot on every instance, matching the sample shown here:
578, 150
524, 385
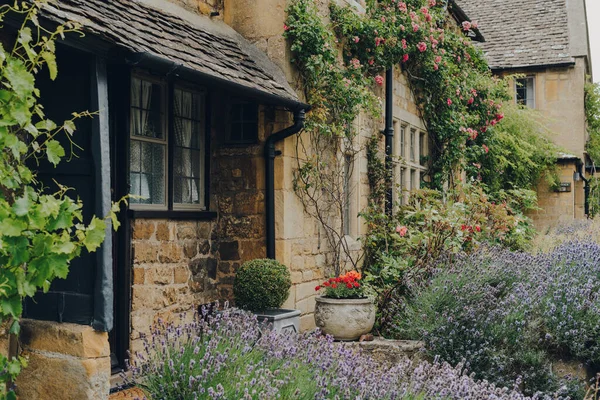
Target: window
244, 123
422, 148
402, 184
188, 152
413, 133
525, 91
414, 179
403, 141
148, 146
151, 146
347, 192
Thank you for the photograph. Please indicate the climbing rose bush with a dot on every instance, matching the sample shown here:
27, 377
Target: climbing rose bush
229, 355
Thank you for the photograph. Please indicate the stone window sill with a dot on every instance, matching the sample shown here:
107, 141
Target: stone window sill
172, 214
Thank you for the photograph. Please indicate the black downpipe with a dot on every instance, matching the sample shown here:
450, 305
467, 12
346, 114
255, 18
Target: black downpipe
586, 190
389, 139
270, 154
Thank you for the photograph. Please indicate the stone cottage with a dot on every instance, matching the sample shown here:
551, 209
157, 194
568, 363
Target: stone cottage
546, 42
195, 99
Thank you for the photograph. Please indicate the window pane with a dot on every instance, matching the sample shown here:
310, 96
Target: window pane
147, 109
188, 148
244, 123
149, 182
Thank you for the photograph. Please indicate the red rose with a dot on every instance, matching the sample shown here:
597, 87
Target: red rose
356, 284
349, 285
318, 288
334, 286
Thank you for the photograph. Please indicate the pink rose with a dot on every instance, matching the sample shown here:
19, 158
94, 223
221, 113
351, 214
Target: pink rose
405, 58
404, 46
402, 7
401, 230
285, 27
415, 27
421, 46
379, 80
449, 102
356, 39
431, 3
466, 25
485, 148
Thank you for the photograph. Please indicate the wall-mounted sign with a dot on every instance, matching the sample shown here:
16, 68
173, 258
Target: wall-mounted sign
564, 187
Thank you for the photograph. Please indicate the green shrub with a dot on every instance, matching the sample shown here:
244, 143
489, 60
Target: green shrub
261, 284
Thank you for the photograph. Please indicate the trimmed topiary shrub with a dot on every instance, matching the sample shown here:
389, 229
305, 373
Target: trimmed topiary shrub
261, 284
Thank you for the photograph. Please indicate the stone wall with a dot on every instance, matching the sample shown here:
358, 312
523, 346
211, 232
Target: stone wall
557, 207
300, 240
66, 361
174, 270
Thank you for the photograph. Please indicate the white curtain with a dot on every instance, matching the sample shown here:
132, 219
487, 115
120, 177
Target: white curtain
141, 97
184, 109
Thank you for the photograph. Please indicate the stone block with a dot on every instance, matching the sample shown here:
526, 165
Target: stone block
169, 252
306, 306
190, 249
69, 339
138, 275
251, 250
187, 230
159, 275
204, 267
307, 322
143, 229
181, 274
296, 277
305, 290
163, 233
229, 250
203, 247
50, 376
145, 252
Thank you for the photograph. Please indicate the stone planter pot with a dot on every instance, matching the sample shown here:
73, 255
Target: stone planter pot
280, 319
345, 319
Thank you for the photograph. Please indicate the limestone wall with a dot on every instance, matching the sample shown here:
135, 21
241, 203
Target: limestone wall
559, 96
300, 240
557, 207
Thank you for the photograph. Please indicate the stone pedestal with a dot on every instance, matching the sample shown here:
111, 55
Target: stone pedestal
66, 361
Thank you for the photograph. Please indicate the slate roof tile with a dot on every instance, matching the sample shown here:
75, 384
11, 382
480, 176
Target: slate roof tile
140, 27
521, 33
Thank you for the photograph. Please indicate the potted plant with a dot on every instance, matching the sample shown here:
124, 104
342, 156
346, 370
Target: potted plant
344, 311
262, 286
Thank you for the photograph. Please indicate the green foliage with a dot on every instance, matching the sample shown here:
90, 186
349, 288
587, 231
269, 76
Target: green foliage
261, 284
520, 151
592, 117
40, 233
405, 247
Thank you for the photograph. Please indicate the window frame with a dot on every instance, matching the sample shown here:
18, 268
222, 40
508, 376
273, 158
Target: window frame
533, 86
413, 152
241, 143
144, 76
171, 173
171, 209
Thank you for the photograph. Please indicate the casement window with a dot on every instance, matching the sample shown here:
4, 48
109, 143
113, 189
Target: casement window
402, 185
403, 141
243, 128
151, 172
422, 148
348, 167
413, 134
414, 179
525, 91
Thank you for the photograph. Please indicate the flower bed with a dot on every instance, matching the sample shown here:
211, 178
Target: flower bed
510, 314
227, 356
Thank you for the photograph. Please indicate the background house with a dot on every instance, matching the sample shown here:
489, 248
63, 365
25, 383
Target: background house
546, 42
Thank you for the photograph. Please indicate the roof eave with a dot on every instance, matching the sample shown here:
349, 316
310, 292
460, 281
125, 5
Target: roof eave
496, 68
460, 16
150, 60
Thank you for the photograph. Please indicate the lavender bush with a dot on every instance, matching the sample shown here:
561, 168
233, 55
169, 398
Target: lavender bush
510, 314
229, 356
